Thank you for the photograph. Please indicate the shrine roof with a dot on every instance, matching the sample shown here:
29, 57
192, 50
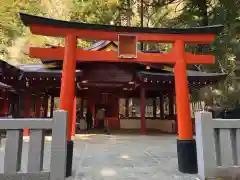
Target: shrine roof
192, 75
15, 74
40, 68
4, 86
99, 45
28, 20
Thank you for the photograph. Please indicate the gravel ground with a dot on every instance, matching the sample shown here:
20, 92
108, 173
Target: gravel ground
119, 157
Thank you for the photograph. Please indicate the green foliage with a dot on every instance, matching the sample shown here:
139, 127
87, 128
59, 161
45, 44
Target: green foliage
13, 35
15, 38
226, 48
92, 11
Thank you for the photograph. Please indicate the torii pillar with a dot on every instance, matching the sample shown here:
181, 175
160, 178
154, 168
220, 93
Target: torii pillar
74, 116
186, 145
67, 93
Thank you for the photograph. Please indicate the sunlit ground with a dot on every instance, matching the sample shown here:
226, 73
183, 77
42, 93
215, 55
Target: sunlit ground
118, 157
76, 137
127, 157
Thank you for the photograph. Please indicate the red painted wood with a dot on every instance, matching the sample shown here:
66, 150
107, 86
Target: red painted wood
91, 103
5, 108
112, 56
161, 107
45, 106
142, 112
38, 106
177, 56
74, 116
185, 131
81, 107
127, 46
52, 106
154, 108
171, 104
68, 80
27, 112
127, 108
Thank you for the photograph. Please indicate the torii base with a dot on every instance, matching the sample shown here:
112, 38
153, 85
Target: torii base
69, 158
187, 156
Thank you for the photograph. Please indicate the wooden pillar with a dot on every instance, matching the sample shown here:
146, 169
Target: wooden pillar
67, 92
161, 107
68, 79
142, 109
18, 114
92, 108
186, 145
38, 105
182, 94
171, 104
127, 108
46, 106
27, 112
81, 107
74, 116
5, 108
154, 108
51, 106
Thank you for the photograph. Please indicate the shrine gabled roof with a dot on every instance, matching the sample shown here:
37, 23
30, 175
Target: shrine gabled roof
99, 45
40, 68
192, 75
196, 79
37, 20
4, 86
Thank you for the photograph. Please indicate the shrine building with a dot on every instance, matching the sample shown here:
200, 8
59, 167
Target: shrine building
130, 92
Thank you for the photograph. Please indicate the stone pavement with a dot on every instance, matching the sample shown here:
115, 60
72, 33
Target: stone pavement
120, 157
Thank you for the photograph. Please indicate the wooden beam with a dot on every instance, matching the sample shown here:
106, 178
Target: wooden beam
111, 56
199, 59
113, 36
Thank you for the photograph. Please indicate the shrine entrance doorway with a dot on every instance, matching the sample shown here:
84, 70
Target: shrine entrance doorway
110, 105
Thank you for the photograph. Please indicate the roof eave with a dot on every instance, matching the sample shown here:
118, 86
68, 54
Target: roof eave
28, 20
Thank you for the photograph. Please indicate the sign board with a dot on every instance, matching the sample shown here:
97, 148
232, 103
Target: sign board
127, 46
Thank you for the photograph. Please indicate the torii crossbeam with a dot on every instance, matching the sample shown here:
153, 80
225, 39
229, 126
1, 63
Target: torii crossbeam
186, 145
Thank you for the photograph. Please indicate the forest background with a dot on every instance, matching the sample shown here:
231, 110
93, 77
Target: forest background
15, 38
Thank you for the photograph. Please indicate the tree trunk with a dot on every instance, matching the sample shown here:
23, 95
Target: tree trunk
202, 6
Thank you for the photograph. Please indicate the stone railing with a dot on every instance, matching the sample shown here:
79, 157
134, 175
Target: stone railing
14, 143
218, 146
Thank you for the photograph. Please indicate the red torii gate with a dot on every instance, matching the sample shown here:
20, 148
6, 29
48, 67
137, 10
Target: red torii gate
187, 160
